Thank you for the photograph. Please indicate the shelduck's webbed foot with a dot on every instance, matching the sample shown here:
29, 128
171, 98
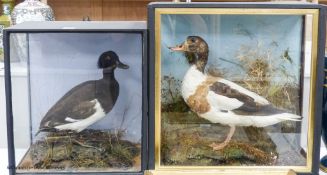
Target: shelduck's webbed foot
220, 146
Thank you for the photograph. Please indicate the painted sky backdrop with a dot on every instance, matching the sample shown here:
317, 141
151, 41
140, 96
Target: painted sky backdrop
60, 61
226, 34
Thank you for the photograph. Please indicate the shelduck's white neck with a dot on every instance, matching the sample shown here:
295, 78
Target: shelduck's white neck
192, 79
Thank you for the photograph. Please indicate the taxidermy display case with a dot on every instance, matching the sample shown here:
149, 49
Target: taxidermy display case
80, 103
235, 88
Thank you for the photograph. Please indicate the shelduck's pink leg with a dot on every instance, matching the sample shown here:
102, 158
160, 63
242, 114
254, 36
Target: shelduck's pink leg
222, 145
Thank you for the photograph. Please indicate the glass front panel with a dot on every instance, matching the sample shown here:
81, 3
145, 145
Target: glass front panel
77, 101
234, 89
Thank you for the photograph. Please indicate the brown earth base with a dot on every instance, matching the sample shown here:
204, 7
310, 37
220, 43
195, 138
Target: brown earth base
185, 141
87, 150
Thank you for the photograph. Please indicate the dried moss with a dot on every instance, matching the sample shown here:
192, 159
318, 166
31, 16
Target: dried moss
187, 143
87, 149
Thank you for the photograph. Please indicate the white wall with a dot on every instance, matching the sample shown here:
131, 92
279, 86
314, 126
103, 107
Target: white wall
3, 131
20, 107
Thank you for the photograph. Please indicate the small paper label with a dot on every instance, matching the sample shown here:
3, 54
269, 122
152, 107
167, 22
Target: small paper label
68, 28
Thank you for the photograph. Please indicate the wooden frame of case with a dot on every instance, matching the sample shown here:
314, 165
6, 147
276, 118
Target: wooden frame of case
318, 30
76, 27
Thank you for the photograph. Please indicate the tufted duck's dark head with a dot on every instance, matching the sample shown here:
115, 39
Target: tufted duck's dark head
109, 61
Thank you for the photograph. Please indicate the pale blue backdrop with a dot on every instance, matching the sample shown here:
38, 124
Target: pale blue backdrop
58, 62
226, 34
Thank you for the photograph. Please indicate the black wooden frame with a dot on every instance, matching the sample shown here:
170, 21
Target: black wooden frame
8, 88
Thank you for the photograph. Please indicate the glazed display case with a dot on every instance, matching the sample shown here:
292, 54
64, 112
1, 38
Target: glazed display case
235, 88
323, 160
80, 103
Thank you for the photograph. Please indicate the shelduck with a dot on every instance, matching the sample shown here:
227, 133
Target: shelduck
222, 101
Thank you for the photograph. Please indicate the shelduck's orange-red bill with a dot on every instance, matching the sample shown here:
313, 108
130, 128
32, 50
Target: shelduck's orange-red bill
178, 48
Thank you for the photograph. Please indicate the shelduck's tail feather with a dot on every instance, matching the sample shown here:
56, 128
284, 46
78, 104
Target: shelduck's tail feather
289, 116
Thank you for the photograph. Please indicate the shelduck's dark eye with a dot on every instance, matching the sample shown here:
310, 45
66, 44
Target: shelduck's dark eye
193, 40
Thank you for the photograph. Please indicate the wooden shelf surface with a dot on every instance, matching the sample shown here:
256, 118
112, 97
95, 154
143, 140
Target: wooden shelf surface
107, 9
